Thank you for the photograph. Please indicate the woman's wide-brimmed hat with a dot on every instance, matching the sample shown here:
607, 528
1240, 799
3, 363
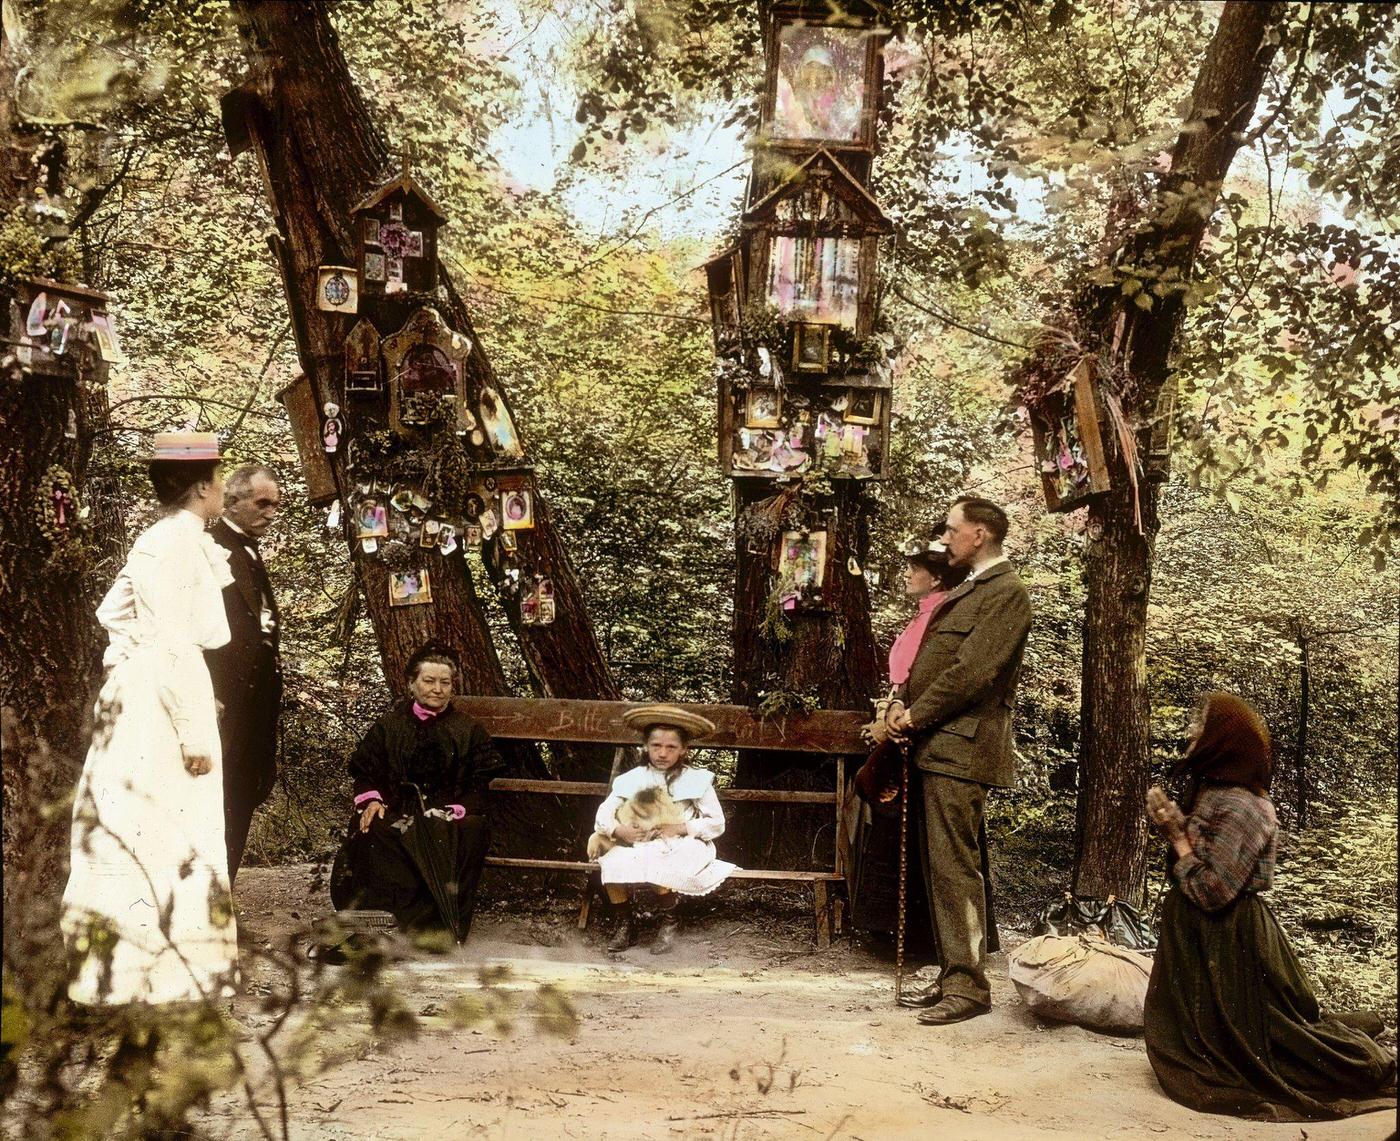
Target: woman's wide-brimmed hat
185, 446
644, 718
931, 554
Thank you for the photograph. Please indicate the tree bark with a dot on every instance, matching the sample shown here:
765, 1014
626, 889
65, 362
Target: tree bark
1111, 847
1304, 701
830, 655
320, 154
51, 646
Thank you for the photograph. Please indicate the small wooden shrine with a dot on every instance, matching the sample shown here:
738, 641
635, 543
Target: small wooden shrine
396, 232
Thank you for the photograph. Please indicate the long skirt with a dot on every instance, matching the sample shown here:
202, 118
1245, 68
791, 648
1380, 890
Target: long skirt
683, 864
1232, 1026
374, 871
147, 915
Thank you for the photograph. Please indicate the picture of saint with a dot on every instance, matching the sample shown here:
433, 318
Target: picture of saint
372, 521
821, 84
802, 561
815, 279
409, 588
517, 510
427, 369
863, 407
763, 408
500, 429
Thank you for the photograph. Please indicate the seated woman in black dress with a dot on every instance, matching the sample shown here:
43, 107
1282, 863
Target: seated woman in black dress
422, 746
1231, 1024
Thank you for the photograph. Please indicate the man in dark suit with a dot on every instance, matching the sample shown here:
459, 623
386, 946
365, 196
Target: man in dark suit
247, 672
956, 710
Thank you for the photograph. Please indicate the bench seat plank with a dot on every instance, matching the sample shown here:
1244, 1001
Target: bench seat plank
600, 790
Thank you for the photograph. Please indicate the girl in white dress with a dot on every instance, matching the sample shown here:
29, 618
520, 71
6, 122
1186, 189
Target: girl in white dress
674, 858
147, 915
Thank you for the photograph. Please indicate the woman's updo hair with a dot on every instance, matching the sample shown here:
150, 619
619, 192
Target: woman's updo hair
173, 480
434, 653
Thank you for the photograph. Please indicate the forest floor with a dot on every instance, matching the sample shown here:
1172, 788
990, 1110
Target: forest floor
746, 1030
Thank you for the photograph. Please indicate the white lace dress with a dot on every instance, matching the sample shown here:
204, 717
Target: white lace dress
686, 864
147, 912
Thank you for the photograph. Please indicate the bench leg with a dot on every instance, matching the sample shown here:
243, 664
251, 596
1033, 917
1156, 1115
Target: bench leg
586, 907
823, 910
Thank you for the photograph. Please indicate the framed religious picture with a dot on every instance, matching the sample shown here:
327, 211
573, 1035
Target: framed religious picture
362, 371
471, 536
105, 333
815, 279
1069, 442
508, 541
517, 510
801, 567
498, 426
410, 588
337, 289
371, 520
821, 91
763, 408
863, 406
430, 533
810, 347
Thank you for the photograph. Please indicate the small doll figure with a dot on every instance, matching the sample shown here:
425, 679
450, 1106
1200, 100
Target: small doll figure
62, 505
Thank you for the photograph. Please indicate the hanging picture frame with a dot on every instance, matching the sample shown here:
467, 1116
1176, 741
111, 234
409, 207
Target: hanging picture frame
410, 588
811, 347
337, 289
363, 373
862, 406
1069, 442
425, 363
763, 408
517, 510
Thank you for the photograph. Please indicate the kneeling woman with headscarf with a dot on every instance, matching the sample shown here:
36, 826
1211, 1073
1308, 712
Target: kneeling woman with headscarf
1231, 1024
418, 835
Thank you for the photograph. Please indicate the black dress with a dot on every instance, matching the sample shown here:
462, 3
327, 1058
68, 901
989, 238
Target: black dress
448, 759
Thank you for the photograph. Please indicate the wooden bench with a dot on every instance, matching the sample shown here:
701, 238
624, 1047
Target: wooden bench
823, 733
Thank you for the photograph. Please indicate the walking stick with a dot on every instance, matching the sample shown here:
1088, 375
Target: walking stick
903, 869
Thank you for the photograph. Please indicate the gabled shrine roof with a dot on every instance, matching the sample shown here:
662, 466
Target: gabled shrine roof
858, 196
405, 184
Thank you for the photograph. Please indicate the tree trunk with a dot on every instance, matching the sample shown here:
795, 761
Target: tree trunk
829, 654
51, 646
320, 155
1304, 700
1111, 848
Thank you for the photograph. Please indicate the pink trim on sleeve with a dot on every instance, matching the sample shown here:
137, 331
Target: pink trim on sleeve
366, 796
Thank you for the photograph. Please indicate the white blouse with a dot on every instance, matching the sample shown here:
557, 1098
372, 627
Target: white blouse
166, 607
693, 790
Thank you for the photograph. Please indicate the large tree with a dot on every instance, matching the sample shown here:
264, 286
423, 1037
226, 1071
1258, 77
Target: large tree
320, 154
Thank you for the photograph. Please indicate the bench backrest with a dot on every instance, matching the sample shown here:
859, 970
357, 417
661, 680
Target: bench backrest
830, 731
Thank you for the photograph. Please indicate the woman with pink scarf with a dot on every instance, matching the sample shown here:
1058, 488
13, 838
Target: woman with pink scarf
928, 579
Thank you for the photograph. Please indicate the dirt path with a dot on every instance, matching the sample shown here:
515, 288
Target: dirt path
742, 1032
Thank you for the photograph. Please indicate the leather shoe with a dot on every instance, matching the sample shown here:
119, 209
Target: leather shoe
953, 1008
927, 996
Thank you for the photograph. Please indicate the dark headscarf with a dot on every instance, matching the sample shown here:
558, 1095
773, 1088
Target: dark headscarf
1233, 748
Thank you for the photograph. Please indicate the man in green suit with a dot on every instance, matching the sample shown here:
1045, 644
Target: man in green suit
956, 711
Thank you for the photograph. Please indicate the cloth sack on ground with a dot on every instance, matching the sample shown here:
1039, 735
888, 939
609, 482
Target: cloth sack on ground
1115, 920
1082, 979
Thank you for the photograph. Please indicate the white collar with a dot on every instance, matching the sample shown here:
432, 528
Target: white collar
979, 570
236, 529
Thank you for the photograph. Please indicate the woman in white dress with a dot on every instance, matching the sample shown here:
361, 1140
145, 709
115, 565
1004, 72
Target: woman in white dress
676, 858
147, 915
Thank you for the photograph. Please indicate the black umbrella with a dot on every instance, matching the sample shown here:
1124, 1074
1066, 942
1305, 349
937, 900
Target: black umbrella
433, 841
